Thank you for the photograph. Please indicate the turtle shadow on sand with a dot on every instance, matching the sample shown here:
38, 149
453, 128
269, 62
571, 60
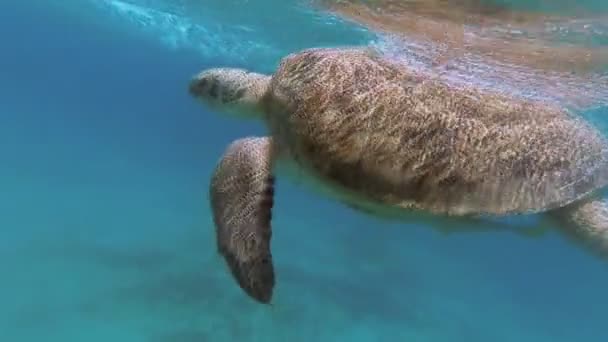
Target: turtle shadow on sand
201, 292
358, 295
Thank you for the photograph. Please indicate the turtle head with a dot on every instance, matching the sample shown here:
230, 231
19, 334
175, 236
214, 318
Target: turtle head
231, 91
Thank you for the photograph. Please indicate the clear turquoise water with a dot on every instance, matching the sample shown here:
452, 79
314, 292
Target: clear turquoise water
106, 230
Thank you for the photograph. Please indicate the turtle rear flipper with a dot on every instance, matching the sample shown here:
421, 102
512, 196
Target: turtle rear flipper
586, 222
241, 195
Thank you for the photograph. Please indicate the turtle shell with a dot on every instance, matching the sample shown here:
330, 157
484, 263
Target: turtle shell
388, 134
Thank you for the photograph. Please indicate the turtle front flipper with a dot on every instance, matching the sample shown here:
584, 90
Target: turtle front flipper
241, 195
586, 222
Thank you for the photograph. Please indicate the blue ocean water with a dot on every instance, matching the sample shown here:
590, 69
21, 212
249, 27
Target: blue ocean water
106, 228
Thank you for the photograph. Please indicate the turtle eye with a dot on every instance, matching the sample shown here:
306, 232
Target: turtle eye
214, 89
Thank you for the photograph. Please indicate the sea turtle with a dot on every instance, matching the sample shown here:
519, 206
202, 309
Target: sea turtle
383, 138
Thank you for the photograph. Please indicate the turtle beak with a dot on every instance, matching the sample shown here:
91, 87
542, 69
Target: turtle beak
205, 86
197, 85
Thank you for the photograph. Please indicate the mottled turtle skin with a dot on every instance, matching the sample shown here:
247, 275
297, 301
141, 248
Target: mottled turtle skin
383, 138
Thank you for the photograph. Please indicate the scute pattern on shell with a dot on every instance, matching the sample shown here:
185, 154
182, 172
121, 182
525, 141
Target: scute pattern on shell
374, 127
